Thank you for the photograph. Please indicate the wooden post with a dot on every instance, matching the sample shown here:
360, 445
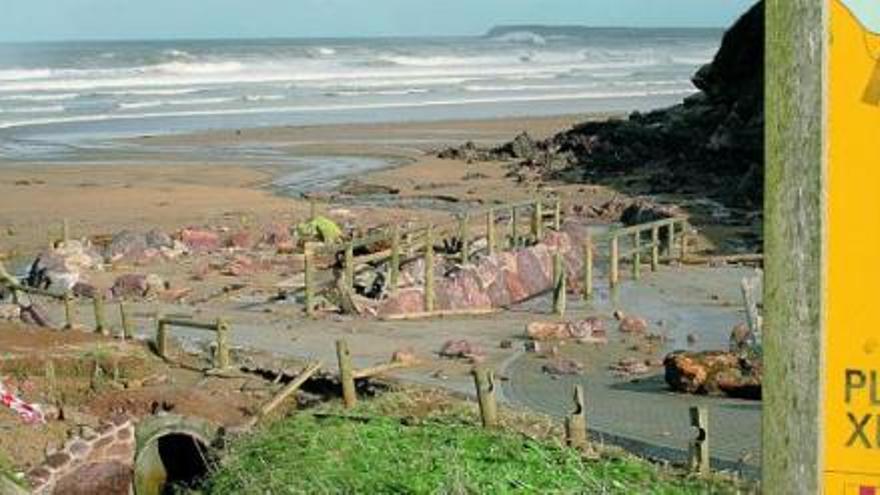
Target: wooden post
684, 241
394, 270
538, 222
69, 315
670, 239
484, 380
588, 267
637, 256
429, 270
309, 274
490, 231
346, 374
514, 236
576, 423
162, 338
699, 448
655, 248
221, 360
464, 232
557, 215
615, 261
100, 323
559, 289
126, 332
349, 266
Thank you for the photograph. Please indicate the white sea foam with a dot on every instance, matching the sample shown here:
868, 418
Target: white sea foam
40, 97
46, 109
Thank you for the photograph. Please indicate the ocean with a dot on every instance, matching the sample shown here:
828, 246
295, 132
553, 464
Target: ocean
63, 92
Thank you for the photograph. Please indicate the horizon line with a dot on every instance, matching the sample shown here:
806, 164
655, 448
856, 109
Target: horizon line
340, 37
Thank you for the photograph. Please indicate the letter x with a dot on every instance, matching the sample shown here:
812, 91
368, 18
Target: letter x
859, 430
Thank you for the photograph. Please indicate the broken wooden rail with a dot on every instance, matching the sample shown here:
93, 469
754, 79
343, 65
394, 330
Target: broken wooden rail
220, 327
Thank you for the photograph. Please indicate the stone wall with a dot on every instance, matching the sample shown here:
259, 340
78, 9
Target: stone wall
500, 280
98, 461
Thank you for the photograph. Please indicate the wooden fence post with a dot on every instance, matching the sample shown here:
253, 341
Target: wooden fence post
538, 222
349, 266
588, 267
514, 236
615, 261
637, 256
557, 215
346, 374
655, 248
559, 285
576, 423
309, 269
394, 270
100, 323
221, 360
684, 241
484, 379
429, 270
126, 331
465, 234
670, 239
490, 231
699, 448
162, 338
69, 315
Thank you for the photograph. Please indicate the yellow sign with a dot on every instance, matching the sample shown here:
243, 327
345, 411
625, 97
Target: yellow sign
851, 403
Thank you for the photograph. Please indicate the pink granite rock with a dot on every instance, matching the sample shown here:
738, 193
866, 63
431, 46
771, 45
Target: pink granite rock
200, 240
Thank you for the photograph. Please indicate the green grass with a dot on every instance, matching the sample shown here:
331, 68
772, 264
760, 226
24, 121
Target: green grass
309, 454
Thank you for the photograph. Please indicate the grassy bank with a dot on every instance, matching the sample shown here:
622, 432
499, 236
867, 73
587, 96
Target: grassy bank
425, 448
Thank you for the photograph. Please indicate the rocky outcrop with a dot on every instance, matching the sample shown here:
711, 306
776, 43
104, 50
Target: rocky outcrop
713, 373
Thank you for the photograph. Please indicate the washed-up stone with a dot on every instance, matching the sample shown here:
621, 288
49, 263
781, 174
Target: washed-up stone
631, 324
136, 285
200, 240
563, 366
630, 367
62, 267
713, 373
462, 349
406, 356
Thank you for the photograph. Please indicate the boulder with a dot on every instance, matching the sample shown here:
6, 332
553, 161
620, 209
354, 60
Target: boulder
643, 210
632, 324
137, 247
62, 267
713, 373
406, 357
200, 240
562, 366
458, 349
136, 285
630, 367
541, 330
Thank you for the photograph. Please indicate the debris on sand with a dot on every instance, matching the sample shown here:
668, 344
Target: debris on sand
563, 366
463, 349
630, 367
588, 331
714, 373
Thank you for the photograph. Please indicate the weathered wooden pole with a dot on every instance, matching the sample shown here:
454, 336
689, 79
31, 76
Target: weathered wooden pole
588, 267
559, 285
797, 98
464, 227
394, 269
490, 231
126, 330
69, 312
221, 360
557, 214
484, 380
576, 422
670, 239
538, 221
655, 248
615, 260
349, 266
162, 338
429, 270
346, 374
100, 321
514, 235
637, 256
309, 275
684, 241
699, 447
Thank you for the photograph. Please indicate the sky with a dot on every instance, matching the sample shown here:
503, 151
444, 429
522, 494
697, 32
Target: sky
36, 20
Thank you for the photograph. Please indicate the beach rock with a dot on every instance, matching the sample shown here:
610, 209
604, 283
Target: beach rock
458, 349
200, 240
590, 330
404, 301
84, 290
242, 240
406, 357
632, 324
137, 247
562, 366
644, 210
62, 267
10, 312
630, 367
136, 285
541, 330
713, 373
